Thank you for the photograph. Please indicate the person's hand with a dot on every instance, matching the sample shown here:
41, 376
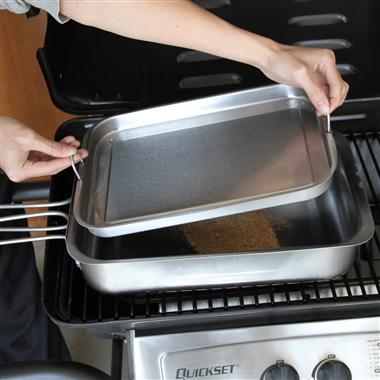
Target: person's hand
25, 154
312, 69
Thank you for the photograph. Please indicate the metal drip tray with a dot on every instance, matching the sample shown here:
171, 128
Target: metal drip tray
320, 244
203, 159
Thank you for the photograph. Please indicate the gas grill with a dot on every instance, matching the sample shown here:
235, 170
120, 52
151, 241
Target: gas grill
356, 295
282, 330
220, 331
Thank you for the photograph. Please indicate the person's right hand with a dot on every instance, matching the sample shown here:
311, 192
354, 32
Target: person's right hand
312, 69
26, 154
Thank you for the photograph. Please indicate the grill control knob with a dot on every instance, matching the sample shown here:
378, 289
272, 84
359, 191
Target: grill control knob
331, 369
280, 371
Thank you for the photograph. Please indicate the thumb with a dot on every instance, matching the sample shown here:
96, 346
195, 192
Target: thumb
320, 100
54, 148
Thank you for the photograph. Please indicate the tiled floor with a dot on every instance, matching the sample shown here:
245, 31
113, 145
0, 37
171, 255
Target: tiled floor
84, 347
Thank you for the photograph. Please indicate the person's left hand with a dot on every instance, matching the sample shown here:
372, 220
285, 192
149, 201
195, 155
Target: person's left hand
26, 154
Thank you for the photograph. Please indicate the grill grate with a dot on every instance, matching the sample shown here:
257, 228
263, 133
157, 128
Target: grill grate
76, 302
80, 304
70, 301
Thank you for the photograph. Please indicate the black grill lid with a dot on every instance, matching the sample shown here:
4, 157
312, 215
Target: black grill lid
89, 71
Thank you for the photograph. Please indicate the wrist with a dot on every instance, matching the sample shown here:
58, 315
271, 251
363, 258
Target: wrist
262, 51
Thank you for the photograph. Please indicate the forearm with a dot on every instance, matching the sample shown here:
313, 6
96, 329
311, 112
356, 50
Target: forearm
178, 23
184, 24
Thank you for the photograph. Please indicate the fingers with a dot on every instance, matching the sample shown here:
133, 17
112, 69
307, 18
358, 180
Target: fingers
57, 165
70, 140
66, 148
80, 155
312, 69
338, 90
319, 99
322, 82
26, 154
48, 167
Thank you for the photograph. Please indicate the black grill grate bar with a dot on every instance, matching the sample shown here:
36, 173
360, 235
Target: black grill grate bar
365, 170
179, 302
209, 300
371, 150
70, 292
163, 303
271, 295
377, 135
100, 307
377, 241
225, 300
116, 308
366, 256
303, 293
85, 297
241, 298
333, 290
256, 297
360, 280
147, 305
316, 290
347, 285
287, 295
194, 301
132, 307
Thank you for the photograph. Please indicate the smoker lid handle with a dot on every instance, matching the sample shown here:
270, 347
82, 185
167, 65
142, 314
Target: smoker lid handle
50, 370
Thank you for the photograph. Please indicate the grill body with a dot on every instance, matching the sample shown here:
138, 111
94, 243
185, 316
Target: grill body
70, 301
154, 75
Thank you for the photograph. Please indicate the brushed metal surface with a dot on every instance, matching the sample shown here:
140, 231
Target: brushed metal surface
246, 353
203, 159
322, 244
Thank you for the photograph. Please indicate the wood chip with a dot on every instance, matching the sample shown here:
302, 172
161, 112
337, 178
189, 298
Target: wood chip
236, 233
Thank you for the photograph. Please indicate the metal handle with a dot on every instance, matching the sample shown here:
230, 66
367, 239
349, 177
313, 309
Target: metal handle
328, 123
33, 215
74, 168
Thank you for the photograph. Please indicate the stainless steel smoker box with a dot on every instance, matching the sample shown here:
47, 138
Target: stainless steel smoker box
321, 243
203, 159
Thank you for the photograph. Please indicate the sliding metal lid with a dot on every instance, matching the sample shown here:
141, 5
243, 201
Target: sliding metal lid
203, 159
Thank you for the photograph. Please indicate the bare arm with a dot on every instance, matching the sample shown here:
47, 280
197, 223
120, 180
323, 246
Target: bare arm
25, 154
182, 23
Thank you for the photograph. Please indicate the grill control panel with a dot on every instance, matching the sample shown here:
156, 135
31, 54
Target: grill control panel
344, 350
